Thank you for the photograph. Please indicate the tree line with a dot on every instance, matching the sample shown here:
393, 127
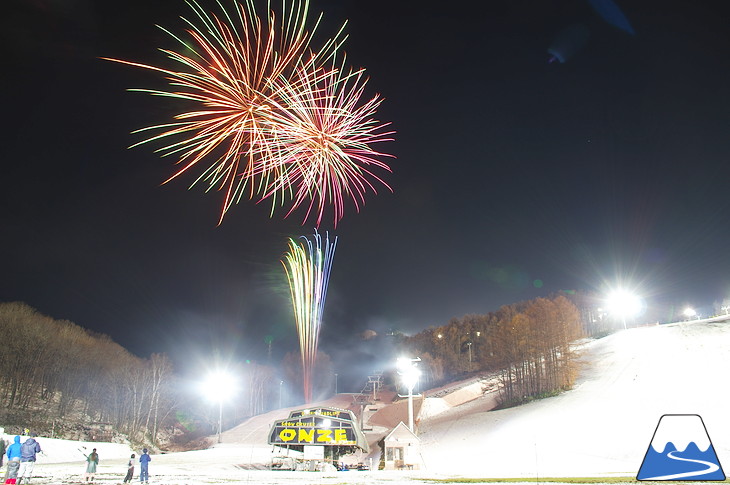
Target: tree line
528, 344
77, 376
64, 370
58, 377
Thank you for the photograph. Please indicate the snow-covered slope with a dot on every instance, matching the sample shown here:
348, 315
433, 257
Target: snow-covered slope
63, 451
603, 426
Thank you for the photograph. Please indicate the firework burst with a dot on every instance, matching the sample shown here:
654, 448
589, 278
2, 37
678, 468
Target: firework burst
307, 264
324, 140
260, 93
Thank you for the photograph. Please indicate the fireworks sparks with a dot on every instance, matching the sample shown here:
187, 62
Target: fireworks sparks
307, 265
271, 116
325, 138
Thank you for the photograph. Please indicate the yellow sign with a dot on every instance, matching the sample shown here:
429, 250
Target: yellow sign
317, 427
317, 435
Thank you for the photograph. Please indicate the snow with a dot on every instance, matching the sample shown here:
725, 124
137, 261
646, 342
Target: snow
63, 451
602, 427
680, 430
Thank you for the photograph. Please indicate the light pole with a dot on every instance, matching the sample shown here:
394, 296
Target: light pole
335, 383
219, 387
220, 419
409, 375
281, 385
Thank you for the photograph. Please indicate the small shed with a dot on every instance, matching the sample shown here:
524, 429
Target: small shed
402, 449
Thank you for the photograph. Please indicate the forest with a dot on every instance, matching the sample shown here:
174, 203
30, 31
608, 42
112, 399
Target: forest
528, 344
62, 380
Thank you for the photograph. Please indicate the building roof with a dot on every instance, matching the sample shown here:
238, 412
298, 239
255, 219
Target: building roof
401, 434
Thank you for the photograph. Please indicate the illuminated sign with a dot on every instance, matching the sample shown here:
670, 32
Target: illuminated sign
318, 427
313, 429
329, 412
323, 436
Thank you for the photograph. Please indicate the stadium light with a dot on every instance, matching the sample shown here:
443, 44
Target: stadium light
219, 386
623, 304
409, 375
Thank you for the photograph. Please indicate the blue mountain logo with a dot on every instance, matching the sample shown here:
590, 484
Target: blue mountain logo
681, 450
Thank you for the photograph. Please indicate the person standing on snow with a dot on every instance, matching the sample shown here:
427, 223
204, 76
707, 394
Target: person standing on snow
3, 449
130, 470
13, 451
91, 461
13, 455
28, 451
144, 462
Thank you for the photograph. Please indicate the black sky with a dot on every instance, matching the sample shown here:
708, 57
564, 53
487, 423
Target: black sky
509, 170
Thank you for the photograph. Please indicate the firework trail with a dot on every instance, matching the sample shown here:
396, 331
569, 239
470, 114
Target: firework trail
260, 92
307, 265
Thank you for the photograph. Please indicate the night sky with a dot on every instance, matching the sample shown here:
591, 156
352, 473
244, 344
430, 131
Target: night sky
514, 178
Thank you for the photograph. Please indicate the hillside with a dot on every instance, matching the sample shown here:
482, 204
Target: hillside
604, 425
600, 428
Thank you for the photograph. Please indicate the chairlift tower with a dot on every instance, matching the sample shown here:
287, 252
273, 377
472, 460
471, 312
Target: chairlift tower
369, 394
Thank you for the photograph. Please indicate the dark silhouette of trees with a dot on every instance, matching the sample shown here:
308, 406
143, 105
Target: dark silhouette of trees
59, 367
